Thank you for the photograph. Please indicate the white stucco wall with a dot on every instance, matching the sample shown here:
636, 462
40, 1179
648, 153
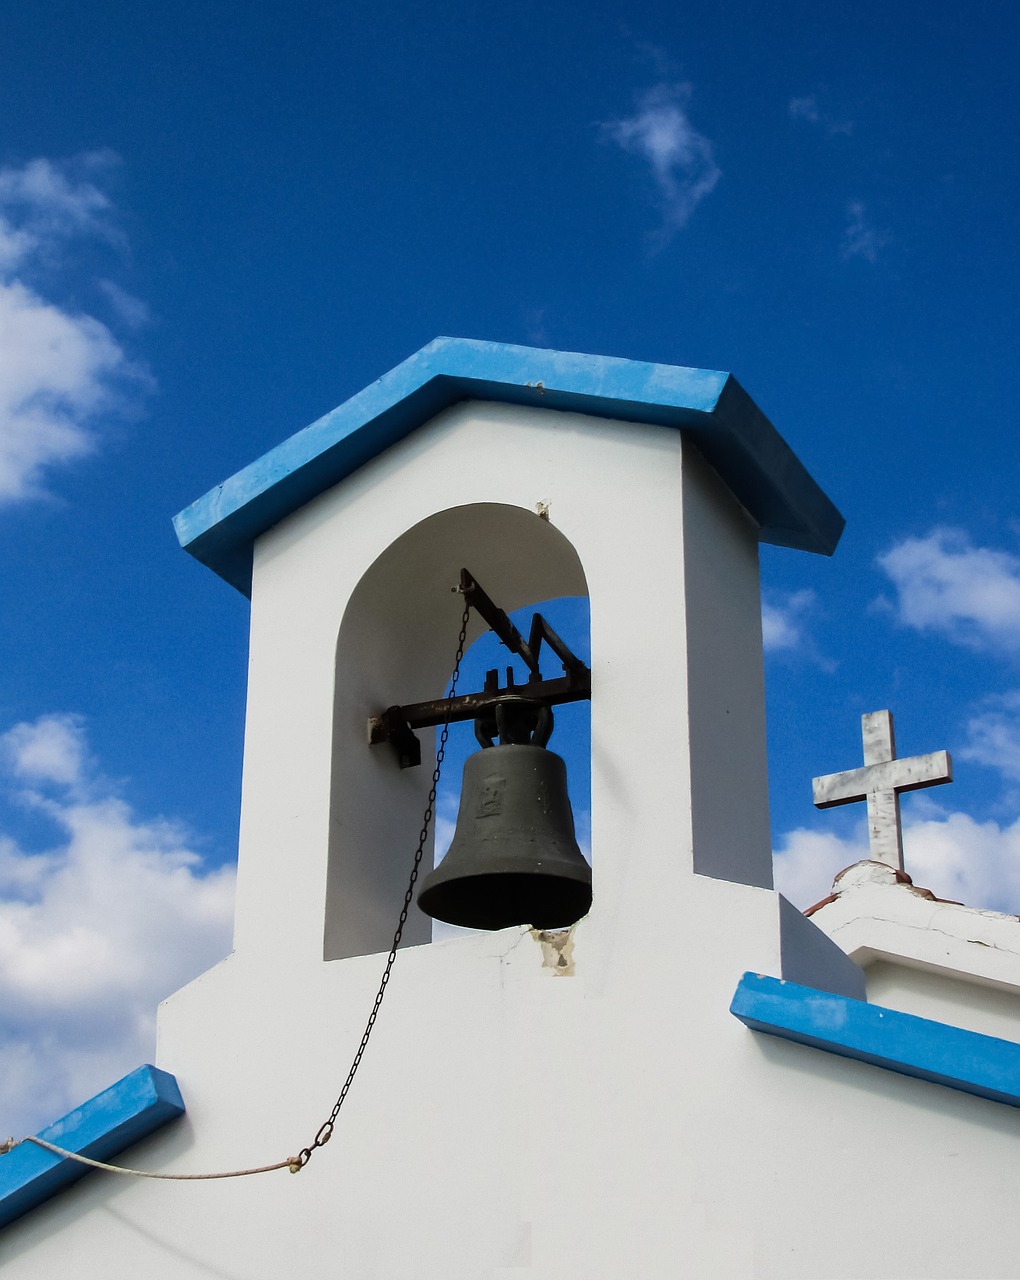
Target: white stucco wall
617, 1122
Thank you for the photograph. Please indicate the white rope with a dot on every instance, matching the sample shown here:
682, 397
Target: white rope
293, 1163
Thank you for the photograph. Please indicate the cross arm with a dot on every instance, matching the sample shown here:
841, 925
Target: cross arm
910, 774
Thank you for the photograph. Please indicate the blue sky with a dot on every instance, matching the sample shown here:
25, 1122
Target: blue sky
218, 221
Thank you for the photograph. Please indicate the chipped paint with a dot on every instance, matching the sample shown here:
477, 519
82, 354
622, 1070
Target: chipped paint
876, 913
870, 872
557, 950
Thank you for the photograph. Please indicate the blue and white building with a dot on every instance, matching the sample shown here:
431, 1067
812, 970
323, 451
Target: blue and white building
696, 1079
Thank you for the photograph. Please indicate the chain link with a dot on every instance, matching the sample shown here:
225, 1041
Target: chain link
325, 1132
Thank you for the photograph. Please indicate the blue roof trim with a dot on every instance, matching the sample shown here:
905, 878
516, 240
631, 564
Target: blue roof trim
129, 1110
960, 1059
737, 439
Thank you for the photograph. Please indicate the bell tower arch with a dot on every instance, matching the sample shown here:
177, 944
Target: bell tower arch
396, 646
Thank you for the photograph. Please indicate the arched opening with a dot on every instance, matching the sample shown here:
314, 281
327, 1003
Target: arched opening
396, 645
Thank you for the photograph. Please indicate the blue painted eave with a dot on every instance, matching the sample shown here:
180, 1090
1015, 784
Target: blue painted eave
966, 1060
710, 407
129, 1110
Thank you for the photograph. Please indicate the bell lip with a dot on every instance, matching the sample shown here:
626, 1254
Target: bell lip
565, 919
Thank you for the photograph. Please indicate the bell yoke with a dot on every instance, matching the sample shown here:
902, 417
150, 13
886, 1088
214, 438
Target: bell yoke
514, 857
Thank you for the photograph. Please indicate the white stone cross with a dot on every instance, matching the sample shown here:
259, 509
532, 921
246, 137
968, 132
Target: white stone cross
880, 783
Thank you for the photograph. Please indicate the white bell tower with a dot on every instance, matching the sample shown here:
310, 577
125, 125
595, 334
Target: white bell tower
654, 485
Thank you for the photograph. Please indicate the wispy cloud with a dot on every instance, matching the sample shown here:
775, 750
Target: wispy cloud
658, 58
786, 630
993, 735
782, 621
94, 931
133, 311
861, 238
807, 109
53, 201
977, 863
535, 326
679, 157
946, 584
60, 369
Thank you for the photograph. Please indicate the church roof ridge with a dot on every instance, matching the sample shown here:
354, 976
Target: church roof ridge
709, 406
875, 910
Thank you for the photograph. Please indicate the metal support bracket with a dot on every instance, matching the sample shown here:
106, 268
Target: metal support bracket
397, 724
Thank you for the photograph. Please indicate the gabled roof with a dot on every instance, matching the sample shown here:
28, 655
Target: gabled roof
711, 408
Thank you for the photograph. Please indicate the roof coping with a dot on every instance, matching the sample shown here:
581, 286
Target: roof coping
709, 407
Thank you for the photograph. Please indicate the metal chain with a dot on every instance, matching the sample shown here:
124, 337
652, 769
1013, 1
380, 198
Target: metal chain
325, 1132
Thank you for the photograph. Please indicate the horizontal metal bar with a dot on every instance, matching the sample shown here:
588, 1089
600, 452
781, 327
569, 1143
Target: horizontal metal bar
420, 715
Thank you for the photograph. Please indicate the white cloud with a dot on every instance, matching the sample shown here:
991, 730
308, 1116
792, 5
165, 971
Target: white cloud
94, 931
680, 157
944, 583
60, 369
56, 372
993, 735
50, 749
861, 238
808, 861
782, 621
977, 863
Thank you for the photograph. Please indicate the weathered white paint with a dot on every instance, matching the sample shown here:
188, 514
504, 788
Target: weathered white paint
923, 955
618, 1122
880, 783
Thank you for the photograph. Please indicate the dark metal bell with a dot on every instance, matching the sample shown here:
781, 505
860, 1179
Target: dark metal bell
514, 858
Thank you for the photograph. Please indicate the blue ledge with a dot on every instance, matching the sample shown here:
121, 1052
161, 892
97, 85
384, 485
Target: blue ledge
935, 1051
114, 1119
709, 407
